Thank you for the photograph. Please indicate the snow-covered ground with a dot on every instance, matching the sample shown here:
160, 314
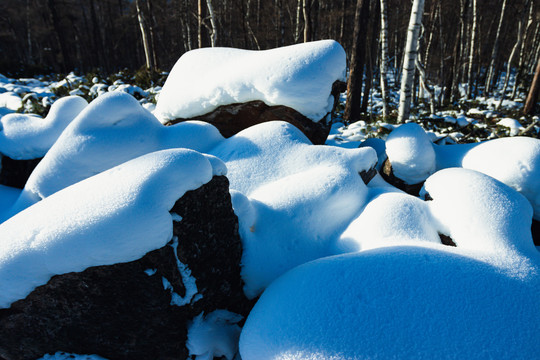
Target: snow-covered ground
345, 270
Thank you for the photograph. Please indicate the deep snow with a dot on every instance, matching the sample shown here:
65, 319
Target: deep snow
346, 270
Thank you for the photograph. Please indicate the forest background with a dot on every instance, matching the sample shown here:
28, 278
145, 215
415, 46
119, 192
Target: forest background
470, 42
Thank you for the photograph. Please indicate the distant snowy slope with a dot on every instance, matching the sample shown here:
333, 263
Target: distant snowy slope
116, 216
298, 76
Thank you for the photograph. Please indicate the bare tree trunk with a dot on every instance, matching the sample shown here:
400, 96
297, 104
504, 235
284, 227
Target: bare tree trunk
522, 52
213, 22
512, 54
411, 50
151, 30
297, 22
494, 53
384, 57
66, 59
199, 23
250, 30
372, 47
144, 35
30, 57
472, 48
533, 91
307, 21
342, 20
358, 55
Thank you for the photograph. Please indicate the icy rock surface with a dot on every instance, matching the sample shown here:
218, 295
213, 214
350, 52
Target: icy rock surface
25, 136
298, 76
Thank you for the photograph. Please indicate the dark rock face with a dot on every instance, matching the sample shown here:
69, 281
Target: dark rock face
388, 175
122, 312
15, 173
233, 118
535, 230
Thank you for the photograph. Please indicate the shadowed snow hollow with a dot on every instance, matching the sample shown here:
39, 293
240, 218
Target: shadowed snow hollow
298, 76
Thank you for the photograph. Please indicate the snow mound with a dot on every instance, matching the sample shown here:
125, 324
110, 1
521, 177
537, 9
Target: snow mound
292, 198
298, 76
513, 161
113, 129
480, 213
514, 125
390, 218
24, 136
116, 216
394, 303
411, 153
10, 101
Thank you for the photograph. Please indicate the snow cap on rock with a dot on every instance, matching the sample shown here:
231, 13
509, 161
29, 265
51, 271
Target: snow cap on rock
298, 76
411, 153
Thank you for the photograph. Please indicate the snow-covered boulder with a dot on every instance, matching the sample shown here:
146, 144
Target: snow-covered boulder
390, 218
482, 214
514, 161
395, 303
26, 138
298, 76
292, 198
113, 129
411, 158
138, 251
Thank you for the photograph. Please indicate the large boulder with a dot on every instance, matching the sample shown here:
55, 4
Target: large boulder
15, 173
233, 118
140, 309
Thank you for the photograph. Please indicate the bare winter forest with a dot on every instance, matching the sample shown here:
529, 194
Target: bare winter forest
476, 43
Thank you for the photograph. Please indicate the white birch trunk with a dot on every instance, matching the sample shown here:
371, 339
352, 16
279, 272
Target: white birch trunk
472, 49
384, 57
411, 50
199, 23
494, 53
213, 22
144, 35
297, 25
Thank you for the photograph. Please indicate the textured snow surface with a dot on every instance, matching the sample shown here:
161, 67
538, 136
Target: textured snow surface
292, 198
514, 161
298, 76
25, 136
482, 214
390, 218
113, 129
116, 216
395, 303
411, 153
